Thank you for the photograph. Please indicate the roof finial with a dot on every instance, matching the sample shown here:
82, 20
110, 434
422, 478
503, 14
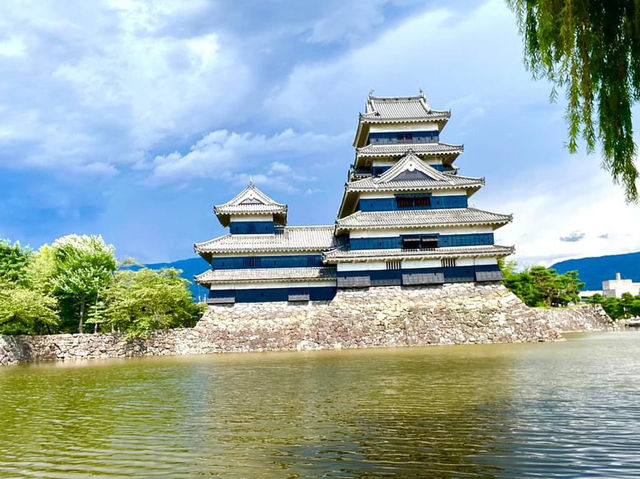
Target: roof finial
251, 181
421, 92
371, 92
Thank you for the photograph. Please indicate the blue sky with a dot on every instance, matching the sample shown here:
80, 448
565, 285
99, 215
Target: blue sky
132, 118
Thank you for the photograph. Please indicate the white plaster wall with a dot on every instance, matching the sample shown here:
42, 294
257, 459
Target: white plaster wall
290, 253
414, 264
239, 218
485, 261
364, 266
290, 284
426, 126
408, 231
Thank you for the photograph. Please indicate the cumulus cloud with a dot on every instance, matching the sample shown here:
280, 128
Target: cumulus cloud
430, 50
347, 21
230, 156
100, 83
573, 237
577, 197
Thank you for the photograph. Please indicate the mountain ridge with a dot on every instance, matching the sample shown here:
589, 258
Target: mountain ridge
596, 269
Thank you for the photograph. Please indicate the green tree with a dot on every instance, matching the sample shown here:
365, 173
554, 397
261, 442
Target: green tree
626, 304
14, 261
567, 288
595, 299
613, 308
83, 267
26, 311
144, 300
592, 50
539, 286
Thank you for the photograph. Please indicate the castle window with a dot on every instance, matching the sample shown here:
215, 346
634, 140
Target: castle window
422, 242
418, 201
448, 262
250, 262
393, 265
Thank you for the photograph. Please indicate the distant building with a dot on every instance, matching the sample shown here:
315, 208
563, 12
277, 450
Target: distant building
615, 288
404, 220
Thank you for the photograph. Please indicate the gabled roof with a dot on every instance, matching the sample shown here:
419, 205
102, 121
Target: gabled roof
267, 275
411, 173
411, 164
291, 239
435, 218
251, 201
342, 255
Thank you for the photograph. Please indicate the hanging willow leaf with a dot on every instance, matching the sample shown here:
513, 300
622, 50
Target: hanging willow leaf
592, 50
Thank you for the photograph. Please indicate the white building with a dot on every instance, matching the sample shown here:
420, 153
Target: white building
615, 288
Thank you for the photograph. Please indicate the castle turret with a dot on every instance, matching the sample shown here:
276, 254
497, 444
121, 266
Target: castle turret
263, 259
405, 215
251, 212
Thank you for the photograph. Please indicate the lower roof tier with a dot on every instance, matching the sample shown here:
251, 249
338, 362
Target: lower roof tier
288, 239
266, 275
432, 218
340, 255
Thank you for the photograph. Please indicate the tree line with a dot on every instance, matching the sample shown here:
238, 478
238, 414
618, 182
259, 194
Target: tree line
628, 306
542, 287
76, 284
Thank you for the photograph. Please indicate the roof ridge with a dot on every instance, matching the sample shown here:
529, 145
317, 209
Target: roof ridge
251, 187
399, 167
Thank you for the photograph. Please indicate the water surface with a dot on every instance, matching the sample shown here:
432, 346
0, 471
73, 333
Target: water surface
562, 409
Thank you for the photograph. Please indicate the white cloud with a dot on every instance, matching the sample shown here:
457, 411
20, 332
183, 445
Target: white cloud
102, 83
348, 21
236, 156
576, 196
438, 50
14, 46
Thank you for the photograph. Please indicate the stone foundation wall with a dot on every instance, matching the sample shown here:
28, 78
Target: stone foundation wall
380, 317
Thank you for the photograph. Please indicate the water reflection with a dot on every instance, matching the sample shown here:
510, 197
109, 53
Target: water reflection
474, 411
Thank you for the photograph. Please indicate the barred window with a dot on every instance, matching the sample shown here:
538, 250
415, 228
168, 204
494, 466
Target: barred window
448, 262
393, 264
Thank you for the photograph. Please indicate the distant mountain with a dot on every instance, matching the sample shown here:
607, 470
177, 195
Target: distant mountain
190, 267
593, 271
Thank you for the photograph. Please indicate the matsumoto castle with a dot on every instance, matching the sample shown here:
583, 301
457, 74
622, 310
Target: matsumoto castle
404, 220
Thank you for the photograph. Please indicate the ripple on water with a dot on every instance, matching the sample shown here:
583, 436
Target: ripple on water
563, 409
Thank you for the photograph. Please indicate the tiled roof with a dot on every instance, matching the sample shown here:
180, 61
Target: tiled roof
292, 238
454, 181
421, 175
400, 149
266, 275
401, 108
250, 201
340, 255
417, 218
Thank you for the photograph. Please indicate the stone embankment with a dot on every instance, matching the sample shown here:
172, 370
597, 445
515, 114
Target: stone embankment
381, 317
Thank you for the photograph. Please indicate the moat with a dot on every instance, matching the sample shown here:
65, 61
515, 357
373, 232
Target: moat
518, 410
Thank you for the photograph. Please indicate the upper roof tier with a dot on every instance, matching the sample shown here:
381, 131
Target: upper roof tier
391, 150
397, 110
251, 201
